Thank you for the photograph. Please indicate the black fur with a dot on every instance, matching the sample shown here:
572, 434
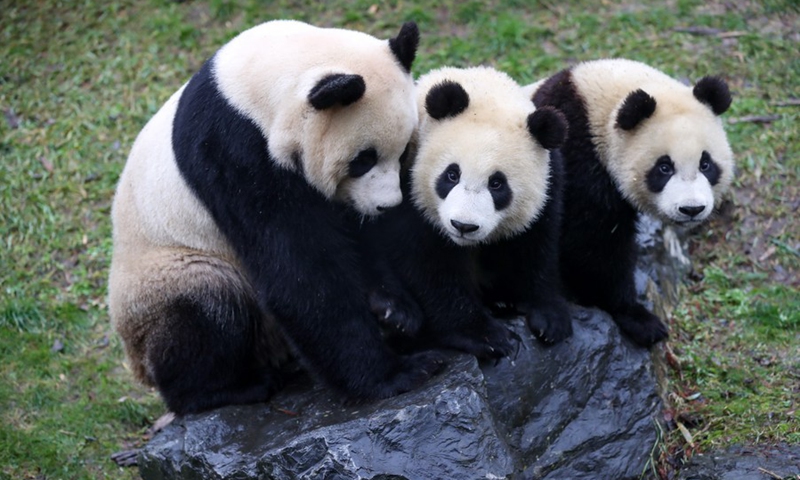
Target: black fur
338, 88
363, 163
211, 357
548, 126
710, 169
404, 45
500, 190
713, 91
448, 179
455, 286
638, 106
659, 175
446, 99
598, 236
299, 255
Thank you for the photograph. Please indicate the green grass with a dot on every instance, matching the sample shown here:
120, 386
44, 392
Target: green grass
78, 81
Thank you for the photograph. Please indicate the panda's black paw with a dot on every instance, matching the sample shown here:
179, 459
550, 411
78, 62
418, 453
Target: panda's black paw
641, 326
412, 371
399, 313
550, 324
491, 339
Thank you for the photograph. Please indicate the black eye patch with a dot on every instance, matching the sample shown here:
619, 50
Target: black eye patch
500, 190
659, 175
448, 179
363, 163
709, 168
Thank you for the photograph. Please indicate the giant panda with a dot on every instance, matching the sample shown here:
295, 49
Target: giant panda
638, 141
232, 236
481, 220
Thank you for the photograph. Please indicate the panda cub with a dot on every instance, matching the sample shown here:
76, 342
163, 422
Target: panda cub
482, 223
233, 218
638, 141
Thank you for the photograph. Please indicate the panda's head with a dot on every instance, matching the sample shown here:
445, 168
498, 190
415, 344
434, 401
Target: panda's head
668, 151
336, 106
482, 164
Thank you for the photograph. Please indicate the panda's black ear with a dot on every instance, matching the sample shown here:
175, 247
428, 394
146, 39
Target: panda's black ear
404, 45
337, 89
446, 99
638, 106
548, 126
713, 91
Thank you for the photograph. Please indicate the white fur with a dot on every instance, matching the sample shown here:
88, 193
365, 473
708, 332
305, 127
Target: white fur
681, 127
490, 135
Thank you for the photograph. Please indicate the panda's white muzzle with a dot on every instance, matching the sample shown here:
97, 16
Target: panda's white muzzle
467, 216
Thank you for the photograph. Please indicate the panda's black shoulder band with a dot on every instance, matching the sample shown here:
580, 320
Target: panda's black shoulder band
446, 99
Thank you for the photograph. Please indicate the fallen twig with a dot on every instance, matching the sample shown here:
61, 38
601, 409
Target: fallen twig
698, 30
754, 119
792, 102
710, 32
771, 474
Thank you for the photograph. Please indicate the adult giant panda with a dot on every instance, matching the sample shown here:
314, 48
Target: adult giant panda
231, 218
482, 223
638, 141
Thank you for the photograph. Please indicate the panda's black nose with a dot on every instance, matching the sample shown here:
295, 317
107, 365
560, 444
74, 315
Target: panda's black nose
691, 211
464, 227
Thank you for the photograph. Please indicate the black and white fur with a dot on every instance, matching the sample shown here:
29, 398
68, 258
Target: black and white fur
233, 218
482, 223
638, 141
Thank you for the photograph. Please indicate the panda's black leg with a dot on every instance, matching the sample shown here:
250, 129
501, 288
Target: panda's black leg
641, 326
204, 355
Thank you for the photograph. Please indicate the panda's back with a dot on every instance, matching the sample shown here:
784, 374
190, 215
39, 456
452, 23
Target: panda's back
153, 206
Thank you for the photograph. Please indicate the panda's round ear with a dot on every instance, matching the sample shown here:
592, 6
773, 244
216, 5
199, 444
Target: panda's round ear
713, 91
446, 99
336, 89
404, 45
638, 106
548, 126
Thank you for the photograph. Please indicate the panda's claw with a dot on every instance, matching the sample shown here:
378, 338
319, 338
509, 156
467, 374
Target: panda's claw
550, 324
396, 312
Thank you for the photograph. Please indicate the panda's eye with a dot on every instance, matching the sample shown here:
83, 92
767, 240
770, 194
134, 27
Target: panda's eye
363, 163
496, 183
453, 174
705, 164
665, 168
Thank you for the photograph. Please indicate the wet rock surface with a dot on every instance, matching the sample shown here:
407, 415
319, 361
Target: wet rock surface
740, 463
580, 409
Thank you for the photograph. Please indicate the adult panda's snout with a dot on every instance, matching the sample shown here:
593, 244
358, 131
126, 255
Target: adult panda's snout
464, 227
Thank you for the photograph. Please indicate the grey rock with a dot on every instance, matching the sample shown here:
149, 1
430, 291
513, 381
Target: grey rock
580, 409
740, 463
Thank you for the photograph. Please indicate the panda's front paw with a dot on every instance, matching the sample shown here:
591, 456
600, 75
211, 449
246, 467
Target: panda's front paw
399, 313
550, 324
641, 326
412, 371
490, 339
